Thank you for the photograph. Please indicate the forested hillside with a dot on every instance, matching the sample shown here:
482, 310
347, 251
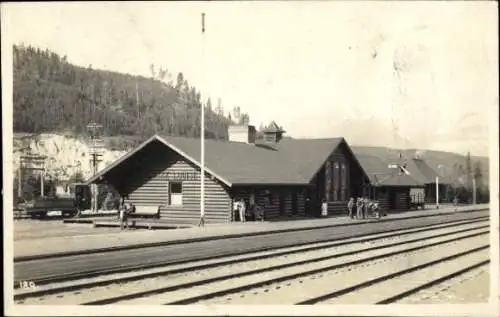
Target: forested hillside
52, 95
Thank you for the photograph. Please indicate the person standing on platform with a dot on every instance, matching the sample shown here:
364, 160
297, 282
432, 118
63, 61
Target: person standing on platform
324, 208
236, 209
124, 210
121, 215
455, 203
350, 207
376, 209
242, 211
307, 206
365, 208
251, 206
359, 208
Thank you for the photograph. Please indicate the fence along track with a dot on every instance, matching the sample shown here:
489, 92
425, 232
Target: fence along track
251, 257
95, 273
212, 294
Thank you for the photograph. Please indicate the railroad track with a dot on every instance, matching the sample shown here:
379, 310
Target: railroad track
73, 267
210, 280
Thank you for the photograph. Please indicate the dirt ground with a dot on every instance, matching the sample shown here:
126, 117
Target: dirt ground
36, 229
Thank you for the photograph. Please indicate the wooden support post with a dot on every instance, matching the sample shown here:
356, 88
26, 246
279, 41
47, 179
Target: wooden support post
474, 190
42, 187
19, 182
437, 192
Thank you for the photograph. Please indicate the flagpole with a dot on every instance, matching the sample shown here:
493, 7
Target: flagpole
202, 189
437, 192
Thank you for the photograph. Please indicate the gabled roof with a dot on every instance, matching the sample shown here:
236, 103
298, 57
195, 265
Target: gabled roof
427, 173
380, 174
398, 180
291, 161
273, 127
420, 169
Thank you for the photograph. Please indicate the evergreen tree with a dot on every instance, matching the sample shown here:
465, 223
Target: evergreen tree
50, 94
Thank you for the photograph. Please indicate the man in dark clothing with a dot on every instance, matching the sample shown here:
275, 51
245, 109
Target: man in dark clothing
307, 206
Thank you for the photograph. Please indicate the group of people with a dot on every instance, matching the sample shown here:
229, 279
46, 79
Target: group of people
242, 209
364, 207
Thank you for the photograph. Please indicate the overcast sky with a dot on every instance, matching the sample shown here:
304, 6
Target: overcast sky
424, 74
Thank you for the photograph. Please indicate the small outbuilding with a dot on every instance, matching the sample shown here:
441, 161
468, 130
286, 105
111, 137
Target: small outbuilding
389, 186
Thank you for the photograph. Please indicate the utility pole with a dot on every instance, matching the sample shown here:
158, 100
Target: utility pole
19, 182
137, 98
95, 159
202, 128
437, 192
474, 189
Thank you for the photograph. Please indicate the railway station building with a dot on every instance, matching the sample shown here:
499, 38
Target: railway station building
280, 174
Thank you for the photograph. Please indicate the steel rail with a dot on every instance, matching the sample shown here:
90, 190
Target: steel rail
334, 243
231, 236
432, 283
278, 267
390, 276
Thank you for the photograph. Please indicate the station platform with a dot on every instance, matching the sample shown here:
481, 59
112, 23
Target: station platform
128, 239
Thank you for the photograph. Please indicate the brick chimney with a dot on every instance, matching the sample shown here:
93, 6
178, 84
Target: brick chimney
242, 133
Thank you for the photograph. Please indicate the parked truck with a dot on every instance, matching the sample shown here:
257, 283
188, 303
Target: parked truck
69, 204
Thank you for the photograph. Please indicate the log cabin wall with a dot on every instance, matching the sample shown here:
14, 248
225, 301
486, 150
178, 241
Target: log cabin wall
400, 199
268, 198
393, 199
382, 196
157, 171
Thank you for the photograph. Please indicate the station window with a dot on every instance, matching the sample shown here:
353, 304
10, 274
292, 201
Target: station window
336, 181
175, 194
343, 180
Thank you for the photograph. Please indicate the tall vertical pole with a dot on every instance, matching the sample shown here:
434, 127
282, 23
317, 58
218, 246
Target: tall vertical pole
137, 98
473, 189
93, 128
202, 190
42, 194
437, 192
20, 182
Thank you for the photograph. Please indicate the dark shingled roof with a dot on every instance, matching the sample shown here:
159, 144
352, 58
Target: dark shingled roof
380, 174
428, 175
399, 180
291, 161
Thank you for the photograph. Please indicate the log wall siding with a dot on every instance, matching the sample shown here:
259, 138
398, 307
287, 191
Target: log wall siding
382, 196
150, 187
402, 199
399, 196
337, 208
301, 210
272, 208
